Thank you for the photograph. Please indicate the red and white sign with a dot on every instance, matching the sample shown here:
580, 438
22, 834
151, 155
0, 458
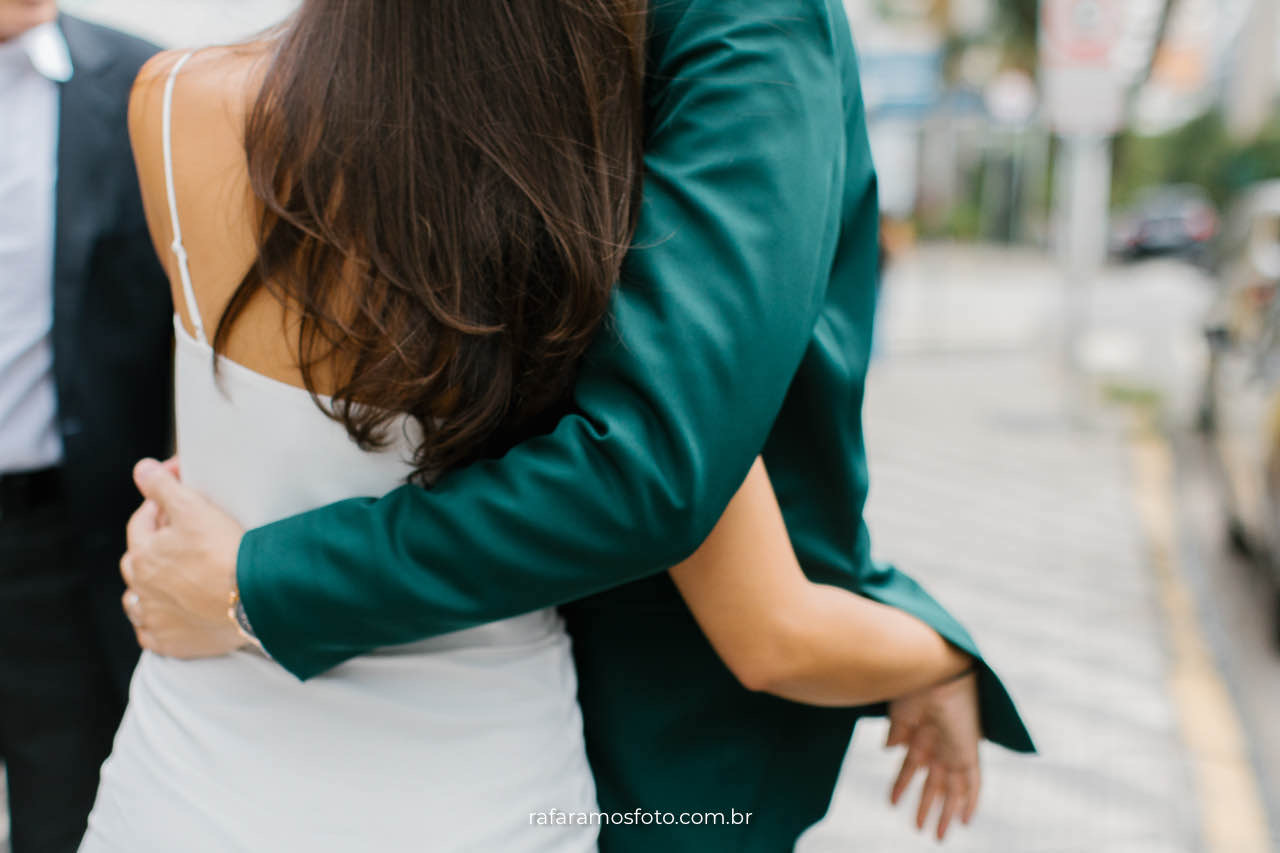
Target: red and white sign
1080, 31
1083, 94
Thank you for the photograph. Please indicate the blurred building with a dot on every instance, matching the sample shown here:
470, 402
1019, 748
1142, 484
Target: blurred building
1214, 52
958, 130
1251, 72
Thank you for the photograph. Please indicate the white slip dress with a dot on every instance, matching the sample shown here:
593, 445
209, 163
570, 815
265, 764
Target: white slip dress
450, 744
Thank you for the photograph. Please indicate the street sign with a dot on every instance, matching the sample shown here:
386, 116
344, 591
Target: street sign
1083, 91
904, 82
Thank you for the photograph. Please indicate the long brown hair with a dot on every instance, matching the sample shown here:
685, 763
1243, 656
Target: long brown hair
449, 187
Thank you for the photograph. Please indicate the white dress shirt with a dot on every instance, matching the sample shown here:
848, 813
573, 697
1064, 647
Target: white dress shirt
31, 67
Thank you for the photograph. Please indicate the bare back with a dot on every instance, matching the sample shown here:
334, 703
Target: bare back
211, 100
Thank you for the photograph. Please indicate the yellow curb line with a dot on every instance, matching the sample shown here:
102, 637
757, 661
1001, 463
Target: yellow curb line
1233, 817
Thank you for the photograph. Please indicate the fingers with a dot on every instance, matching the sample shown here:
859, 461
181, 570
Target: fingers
898, 734
184, 643
956, 798
141, 529
951, 786
974, 777
934, 786
959, 799
132, 605
142, 524
913, 761
157, 483
173, 466
143, 470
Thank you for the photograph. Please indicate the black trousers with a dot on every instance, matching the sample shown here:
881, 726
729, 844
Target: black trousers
66, 653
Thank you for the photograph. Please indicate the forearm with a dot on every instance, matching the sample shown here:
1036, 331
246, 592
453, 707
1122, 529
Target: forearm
780, 633
849, 650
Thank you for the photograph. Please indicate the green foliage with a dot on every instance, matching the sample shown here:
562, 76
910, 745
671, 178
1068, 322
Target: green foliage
1020, 18
1019, 22
966, 221
1013, 35
1200, 152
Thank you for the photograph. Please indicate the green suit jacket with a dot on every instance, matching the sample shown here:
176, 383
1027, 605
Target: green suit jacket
742, 326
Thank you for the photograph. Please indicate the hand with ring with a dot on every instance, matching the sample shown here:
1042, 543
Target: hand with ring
177, 595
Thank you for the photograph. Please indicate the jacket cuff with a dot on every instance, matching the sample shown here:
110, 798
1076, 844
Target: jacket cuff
1001, 722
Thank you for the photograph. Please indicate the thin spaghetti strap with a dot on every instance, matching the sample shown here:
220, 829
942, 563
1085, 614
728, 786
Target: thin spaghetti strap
179, 251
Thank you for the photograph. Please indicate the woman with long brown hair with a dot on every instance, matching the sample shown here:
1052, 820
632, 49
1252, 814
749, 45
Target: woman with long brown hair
402, 220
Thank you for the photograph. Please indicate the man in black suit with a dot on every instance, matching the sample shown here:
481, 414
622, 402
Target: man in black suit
85, 330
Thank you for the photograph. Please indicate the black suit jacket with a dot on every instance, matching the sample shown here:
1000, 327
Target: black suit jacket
112, 326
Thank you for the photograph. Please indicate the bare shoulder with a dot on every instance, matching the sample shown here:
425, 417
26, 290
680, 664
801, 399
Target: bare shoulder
146, 96
215, 85
212, 93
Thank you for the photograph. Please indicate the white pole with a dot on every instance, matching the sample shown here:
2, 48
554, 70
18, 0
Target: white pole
1084, 197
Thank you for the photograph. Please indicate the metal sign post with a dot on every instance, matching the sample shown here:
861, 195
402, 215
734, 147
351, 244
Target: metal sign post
1084, 102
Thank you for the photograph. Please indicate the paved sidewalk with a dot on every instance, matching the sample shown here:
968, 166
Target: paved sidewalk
1021, 512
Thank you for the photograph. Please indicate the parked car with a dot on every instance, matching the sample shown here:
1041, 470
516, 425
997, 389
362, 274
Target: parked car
1178, 219
1240, 410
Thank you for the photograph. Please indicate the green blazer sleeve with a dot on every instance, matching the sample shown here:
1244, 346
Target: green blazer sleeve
675, 400
746, 176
